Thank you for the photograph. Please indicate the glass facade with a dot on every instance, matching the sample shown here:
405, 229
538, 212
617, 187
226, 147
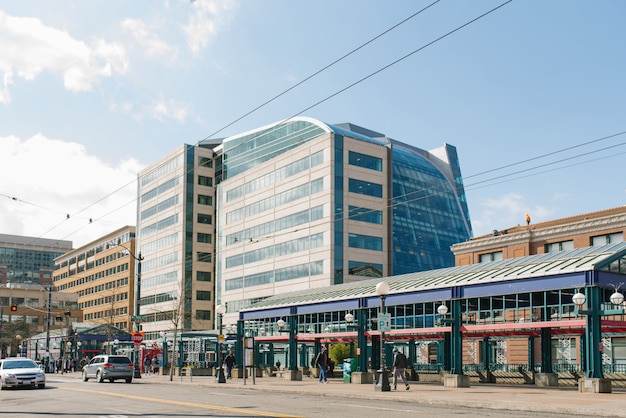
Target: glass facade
427, 215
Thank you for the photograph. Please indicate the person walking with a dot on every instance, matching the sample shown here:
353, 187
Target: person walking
147, 365
321, 362
84, 361
399, 365
155, 365
229, 361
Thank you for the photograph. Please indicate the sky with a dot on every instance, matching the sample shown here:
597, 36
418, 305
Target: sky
532, 95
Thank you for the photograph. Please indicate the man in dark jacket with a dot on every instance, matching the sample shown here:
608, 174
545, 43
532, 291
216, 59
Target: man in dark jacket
399, 364
230, 363
321, 362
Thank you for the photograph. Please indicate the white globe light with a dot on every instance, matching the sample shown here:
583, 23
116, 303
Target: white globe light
579, 299
220, 309
349, 317
382, 288
442, 309
280, 323
617, 298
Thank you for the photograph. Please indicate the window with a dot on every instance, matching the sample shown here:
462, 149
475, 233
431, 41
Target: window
201, 314
204, 238
203, 295
204, 257
365, 241
205, 200
359, 268
365, 215
366, 161
489, 257
205, 181
205, 219
559, 246
607, 239
203, 276
205, 162
365, 187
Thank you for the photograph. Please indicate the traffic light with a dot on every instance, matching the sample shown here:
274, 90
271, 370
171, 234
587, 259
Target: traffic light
13, 308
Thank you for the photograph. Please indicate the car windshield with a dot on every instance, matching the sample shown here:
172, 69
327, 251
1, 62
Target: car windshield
24, 364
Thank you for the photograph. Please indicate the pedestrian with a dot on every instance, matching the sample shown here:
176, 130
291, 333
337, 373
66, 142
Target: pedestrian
399, 365
230, 363
155, 365
331, 368
147, 364
84, 361
321, 362
277, 364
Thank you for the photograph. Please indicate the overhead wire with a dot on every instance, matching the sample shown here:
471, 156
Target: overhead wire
324, 68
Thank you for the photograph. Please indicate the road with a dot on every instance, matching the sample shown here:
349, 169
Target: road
70, 397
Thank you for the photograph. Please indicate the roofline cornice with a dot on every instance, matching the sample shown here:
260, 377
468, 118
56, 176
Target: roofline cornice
502, 240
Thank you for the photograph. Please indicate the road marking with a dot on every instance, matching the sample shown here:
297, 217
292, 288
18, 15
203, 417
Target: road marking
183, 403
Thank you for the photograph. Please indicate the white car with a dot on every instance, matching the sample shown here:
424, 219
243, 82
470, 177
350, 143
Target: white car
19, 372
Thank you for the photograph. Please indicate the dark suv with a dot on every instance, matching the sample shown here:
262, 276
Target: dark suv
108, 367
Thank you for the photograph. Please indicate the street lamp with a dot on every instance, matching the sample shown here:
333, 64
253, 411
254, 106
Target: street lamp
220, 310
382, 289
455, 348
115, 343
594, 380
136, 317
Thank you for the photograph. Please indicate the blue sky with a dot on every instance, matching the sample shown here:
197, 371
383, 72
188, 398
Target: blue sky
91, 92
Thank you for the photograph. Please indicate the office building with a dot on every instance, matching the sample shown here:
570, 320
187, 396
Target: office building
29, 259
102, 275
294, 205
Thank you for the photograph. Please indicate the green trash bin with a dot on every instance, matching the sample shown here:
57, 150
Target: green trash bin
347, 370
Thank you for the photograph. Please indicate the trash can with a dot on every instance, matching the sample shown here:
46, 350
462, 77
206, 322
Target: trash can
347, 370
349, 366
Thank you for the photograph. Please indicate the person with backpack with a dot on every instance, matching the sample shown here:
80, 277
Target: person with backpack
399, 365
321, 362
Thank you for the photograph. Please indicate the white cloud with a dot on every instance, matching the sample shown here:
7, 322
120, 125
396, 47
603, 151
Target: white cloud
505, 212
203, 23
144, 34
29, 47
169, 109
42, 180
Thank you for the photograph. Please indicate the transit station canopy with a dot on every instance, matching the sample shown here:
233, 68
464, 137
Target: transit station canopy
600, 266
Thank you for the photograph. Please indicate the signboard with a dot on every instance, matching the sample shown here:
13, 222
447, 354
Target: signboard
138, 318
220, 338
384, 322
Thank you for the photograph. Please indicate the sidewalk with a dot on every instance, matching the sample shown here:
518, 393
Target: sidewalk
498, 397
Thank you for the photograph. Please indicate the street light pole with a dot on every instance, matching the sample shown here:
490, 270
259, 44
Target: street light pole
220, 310
382, 289
137, 311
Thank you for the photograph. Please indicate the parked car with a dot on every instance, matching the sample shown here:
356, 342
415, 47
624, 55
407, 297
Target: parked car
109, 367
20, 372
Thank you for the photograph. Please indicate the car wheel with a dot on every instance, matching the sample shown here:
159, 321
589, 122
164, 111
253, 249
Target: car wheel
99, 378
85, 378
129, 380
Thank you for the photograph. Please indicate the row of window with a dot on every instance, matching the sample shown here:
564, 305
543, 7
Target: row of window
159, 225
365, 161
287, 273
365, 187
356, 213
268, 228
366, 242
278, 250
105, 300
106, 313
161, 188
274, 177
159, 207
159, 171
91, 277
276, 200
161, 261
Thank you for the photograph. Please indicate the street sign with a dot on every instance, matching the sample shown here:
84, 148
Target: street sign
220, 338
137, 337
384, 322
138, 318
